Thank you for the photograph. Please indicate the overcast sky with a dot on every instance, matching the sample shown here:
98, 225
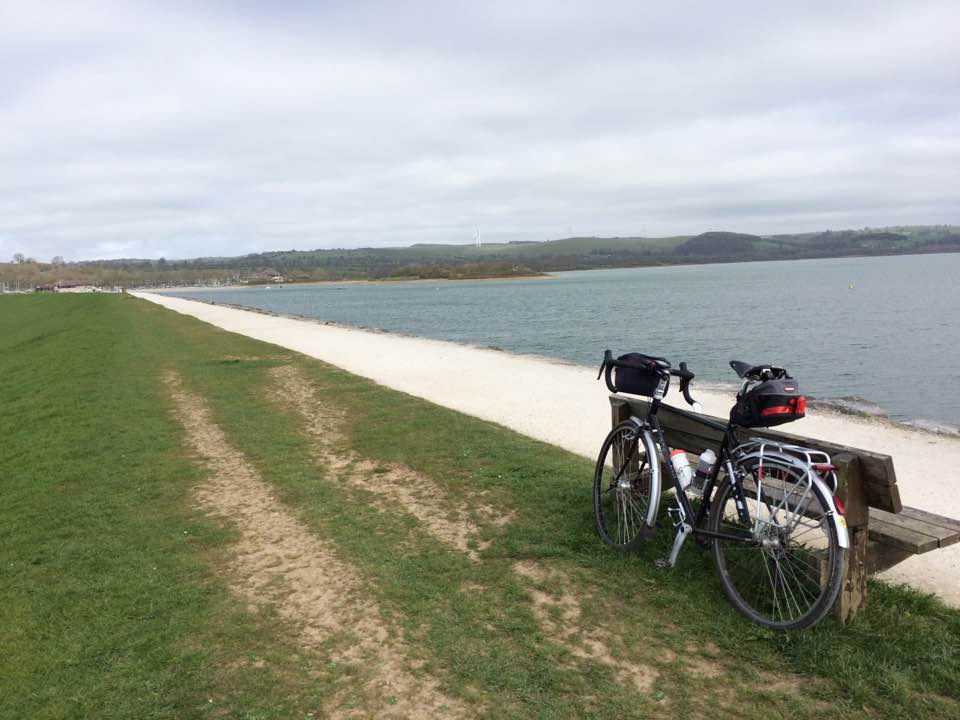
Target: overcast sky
204, 128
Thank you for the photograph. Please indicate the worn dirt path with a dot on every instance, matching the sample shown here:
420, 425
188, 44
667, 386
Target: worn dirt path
449, 520
278, 562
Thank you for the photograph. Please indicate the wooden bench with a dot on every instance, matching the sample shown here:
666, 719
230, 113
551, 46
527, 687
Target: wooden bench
882, 531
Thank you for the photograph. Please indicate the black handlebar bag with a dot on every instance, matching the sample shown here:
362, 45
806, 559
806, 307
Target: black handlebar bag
769, 403
641, 378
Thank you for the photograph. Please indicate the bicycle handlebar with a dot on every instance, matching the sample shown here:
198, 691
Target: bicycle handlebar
606, 368
609, 363
685, 377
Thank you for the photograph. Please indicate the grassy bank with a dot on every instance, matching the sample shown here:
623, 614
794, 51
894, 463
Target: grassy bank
116, 598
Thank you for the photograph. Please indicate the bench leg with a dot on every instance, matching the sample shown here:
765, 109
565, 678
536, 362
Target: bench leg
619, 411
853, 593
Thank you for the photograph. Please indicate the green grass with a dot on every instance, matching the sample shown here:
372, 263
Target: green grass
113, 602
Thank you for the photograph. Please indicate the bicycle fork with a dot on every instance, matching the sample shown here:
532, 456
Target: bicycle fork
682, 514
655, 444
684, 529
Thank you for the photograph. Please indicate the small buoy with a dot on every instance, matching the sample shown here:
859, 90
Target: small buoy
850, 286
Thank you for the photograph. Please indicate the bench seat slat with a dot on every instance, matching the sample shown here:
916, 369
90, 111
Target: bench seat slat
943, 535
949, 524
909, 540
904, 533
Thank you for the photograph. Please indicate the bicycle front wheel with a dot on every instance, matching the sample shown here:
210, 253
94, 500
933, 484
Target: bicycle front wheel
621, 488
783, 569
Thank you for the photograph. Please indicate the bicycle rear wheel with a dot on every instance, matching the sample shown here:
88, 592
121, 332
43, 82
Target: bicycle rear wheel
621, 488
786, 571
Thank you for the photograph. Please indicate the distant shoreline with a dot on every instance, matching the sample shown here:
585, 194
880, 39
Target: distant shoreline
384, 281
654, 262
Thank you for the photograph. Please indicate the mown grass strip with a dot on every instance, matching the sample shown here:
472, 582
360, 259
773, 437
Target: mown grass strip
110, 606
472, 624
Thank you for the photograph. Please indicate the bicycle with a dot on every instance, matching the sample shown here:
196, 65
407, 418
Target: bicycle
774, 528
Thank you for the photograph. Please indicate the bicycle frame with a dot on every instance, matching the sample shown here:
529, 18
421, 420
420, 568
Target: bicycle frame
693, 522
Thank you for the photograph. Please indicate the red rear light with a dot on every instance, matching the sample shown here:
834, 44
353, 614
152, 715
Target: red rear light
840, 508
794, 406
824, 468
777, 410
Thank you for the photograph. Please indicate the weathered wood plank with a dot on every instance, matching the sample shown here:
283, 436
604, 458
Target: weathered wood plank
944, 536
850, 488
885, 497
683, 430
901, 537
933, 519
853, 591
619, 410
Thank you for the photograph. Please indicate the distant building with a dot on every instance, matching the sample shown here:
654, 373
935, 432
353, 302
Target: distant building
265, 276
76, 288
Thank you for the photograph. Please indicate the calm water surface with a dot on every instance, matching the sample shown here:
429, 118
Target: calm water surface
873, 333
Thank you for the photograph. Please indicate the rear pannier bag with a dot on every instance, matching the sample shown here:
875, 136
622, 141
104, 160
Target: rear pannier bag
641, 379
770, 403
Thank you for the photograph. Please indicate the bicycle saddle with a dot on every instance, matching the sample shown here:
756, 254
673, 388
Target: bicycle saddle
756, 372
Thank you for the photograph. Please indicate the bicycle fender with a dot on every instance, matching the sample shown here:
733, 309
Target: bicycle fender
651, 448
839, 522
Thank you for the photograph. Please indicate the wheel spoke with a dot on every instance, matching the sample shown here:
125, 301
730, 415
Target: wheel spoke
622, 489
788, 577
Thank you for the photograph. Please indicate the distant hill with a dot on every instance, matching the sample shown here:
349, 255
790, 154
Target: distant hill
509, 259
718, 244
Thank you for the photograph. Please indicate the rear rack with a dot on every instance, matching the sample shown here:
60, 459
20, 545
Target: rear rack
805, 459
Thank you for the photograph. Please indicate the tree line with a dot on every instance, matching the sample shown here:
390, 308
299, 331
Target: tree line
467, 261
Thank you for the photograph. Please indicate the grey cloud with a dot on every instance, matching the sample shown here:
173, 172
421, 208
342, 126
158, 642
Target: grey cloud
131, 131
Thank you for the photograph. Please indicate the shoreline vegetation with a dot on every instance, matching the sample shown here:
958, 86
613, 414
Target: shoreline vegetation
249, 532
473, 262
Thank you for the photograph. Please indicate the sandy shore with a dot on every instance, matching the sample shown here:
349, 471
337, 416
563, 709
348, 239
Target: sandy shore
564, 405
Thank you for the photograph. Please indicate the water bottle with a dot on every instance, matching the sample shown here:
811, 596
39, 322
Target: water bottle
704, 467
682, 465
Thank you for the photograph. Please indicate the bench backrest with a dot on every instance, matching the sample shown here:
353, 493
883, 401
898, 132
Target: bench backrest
878, 479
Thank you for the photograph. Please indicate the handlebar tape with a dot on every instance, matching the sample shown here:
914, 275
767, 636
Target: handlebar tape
685, 377
610, 386
684, 374
606, 367
607, 360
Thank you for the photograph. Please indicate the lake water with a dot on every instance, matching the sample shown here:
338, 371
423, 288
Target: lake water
869, 334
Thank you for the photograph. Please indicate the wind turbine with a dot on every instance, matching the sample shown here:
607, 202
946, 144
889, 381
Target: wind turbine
476, 237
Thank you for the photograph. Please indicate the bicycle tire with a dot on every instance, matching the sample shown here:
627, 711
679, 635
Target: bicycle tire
799, 581
621, 499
